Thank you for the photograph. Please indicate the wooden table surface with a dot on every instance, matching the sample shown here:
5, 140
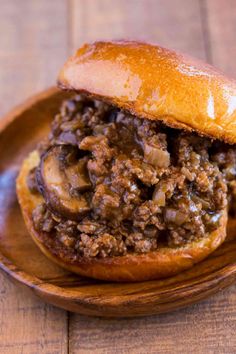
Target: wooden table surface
36, 36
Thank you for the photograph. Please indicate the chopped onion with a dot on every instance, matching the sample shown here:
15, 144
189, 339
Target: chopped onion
175, 216
156, 157
159, 197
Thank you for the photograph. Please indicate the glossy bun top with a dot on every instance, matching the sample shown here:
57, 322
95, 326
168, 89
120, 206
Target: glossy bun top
156, 83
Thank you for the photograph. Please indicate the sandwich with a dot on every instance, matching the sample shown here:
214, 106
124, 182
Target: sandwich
136, 179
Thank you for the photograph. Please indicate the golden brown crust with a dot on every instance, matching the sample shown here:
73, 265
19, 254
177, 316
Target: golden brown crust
156, 83
153, 265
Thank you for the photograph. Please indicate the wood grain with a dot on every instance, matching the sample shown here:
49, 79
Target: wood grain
33, 37
33, 47
222, 28
27, 325
201, 328
175, 24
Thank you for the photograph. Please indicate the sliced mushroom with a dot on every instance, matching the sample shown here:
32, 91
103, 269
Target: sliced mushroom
55, 187
77, 175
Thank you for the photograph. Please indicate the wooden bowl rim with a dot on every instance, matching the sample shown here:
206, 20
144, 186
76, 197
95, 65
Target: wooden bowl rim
210, 280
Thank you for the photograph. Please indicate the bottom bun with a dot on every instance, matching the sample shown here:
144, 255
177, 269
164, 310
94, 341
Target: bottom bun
132, 267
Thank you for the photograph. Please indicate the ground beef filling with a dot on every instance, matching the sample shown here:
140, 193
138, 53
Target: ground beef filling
114, 184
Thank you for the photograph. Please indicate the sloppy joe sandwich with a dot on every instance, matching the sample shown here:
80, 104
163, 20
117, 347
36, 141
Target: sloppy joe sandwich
136, 180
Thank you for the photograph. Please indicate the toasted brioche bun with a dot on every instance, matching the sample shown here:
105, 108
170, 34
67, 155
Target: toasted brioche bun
132, 267
156, 83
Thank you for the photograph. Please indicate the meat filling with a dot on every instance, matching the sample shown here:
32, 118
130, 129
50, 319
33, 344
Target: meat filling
114, 184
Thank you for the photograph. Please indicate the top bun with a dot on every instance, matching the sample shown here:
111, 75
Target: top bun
156, 83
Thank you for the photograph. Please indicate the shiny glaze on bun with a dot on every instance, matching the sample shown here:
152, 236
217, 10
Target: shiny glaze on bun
156, 83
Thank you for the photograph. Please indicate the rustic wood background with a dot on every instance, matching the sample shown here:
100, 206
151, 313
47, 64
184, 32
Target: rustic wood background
36, 36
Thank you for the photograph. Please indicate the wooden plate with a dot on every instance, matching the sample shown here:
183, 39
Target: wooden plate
23, 261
